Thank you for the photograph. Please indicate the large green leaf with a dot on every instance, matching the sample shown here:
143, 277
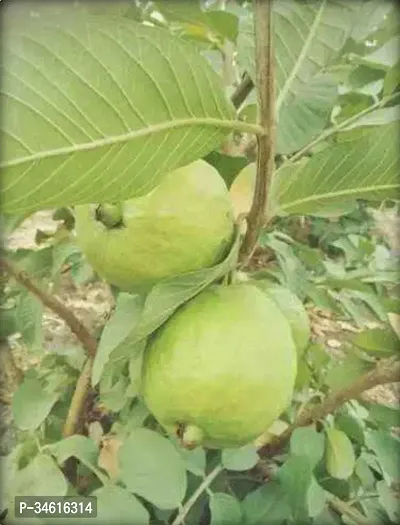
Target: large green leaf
98, 108
307, 36
364, 165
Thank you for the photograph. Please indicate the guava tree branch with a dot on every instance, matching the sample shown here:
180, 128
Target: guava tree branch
386, 371
77, 327
265, 83
242, 91
342, 507
52, 302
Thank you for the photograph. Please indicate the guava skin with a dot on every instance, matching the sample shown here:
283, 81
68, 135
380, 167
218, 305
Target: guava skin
293, 309
225, 363
186, 223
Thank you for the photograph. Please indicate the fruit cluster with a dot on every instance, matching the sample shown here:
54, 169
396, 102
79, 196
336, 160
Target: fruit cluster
222, 369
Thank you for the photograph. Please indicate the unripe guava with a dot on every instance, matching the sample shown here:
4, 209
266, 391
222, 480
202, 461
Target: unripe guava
186, 223
222, 368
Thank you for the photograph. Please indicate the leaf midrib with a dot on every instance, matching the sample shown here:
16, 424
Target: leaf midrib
125, 137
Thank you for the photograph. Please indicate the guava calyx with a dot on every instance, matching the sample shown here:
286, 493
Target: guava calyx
110, 215
190, 436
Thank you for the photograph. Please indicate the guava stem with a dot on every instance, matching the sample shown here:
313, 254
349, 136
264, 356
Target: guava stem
109, 214
191, 436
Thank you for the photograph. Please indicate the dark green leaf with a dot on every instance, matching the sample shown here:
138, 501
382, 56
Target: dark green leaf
307, 442
350, 425
126, 314
384, 415
117, 506
268, 505
296, 477
29, 316
343, 374
387, 450
225, 509
389, 501
81, 447
151, 467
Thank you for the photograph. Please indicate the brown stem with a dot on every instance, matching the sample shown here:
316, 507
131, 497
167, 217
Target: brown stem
342, 507
52, 302
242, 91
78, 399
387, 371
265, 82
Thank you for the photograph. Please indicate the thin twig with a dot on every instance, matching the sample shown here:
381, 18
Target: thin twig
195, 496
52, 302
79, 329
265, 82
342, 507
387, 371
242, 91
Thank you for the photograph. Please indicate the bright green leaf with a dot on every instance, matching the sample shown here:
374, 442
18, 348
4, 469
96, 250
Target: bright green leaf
100, 108
31, 404
340, 457
151, 467
363, 166
377, 341
81, 447
242, 458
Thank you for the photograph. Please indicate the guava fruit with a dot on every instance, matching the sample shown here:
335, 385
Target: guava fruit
186, 223
221, 369
292, 308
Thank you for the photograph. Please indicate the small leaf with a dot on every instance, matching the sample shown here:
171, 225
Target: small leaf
316, 498
340, 458
389, 501
342, 374
80, 447
242, 458
377, 341
151, 467
384, 415
268, 505
31, 404
125, 315
350, 425
307, 442
225, 509
387, 450
41, 477
29, 316
116, 505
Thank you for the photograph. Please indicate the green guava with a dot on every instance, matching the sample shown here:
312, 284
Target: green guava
221, 369
186, 223
292, 308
